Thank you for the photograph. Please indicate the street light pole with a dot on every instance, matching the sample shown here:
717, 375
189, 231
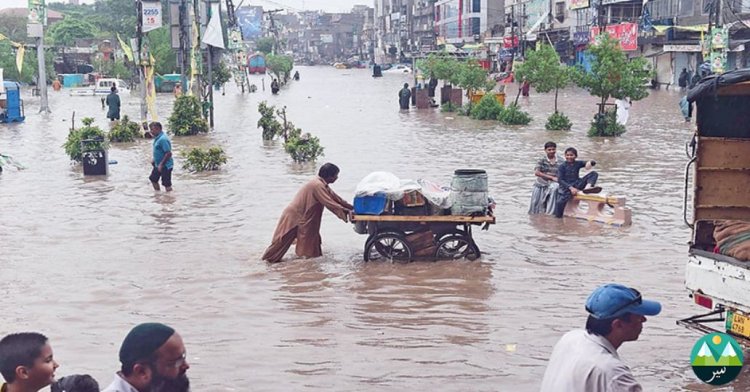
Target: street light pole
42, 76
141, 69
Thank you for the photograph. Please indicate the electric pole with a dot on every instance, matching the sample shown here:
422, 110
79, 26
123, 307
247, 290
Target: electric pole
35, 28
141, 68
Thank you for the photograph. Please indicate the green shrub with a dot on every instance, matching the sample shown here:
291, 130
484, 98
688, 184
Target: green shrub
125, 131
512, 115
448, 107
606, 125
464, 110
302, 147
487, 109
199, 159
558, 122
271, 126
87, 132
186, 117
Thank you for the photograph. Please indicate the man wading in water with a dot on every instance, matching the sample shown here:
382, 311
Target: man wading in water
404, 96
587, 360
301, 219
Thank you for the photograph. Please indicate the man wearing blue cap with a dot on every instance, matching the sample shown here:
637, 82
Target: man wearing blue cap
153, 360
587, 360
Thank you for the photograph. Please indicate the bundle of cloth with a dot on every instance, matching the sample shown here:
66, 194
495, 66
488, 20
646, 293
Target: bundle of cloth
733, 239
394, 188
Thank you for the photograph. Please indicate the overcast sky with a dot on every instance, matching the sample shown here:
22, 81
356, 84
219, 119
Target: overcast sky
294, 5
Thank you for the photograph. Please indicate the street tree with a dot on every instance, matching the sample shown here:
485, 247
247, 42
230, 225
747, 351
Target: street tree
67, 31
544, 71
612, 75
265, 45
280, 66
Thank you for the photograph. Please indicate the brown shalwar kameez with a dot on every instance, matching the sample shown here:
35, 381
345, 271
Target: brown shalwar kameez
301, 221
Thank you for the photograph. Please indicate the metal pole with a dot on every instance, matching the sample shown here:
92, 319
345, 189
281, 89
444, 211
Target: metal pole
183, 38
141, 69
42, 76
210, 88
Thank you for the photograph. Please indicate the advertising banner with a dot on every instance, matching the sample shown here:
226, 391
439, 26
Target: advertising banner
37, 12
151, 14
250, 20
510, 42
578, 4
718, 61
536, 10
626, 33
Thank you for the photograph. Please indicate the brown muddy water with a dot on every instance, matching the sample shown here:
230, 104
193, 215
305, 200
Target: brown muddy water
84, 259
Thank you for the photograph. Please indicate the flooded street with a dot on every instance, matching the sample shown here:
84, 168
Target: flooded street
85, 259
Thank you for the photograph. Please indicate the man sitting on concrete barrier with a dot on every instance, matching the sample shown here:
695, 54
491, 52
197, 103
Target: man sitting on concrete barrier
570, 181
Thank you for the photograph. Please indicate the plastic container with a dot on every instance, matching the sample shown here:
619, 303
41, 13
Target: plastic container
469, 192
370, 205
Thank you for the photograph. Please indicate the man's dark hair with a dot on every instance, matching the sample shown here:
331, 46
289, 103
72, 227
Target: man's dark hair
328, 170
571, 149
603, 327
113, 88
155, 124
549, 144
19, 349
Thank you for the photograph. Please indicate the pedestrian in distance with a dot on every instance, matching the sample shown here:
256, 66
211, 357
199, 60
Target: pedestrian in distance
683, 79
404, 97
544, 194
27, 363
296, 75
275, 87
570, 181
153, 359
300, 220
525, 87
113, 101
162, 162
587, 360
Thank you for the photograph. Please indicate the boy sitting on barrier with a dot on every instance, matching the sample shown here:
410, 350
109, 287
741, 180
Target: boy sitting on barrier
570, 181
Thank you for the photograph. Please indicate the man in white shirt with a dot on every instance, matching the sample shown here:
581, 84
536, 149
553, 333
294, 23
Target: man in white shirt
587, 360
153, 360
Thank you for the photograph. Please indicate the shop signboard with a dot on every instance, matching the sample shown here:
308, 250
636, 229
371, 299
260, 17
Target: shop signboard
579, 4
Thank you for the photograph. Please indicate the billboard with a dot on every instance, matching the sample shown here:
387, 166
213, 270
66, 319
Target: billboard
250, 20
578, 4
626, 33
37, 12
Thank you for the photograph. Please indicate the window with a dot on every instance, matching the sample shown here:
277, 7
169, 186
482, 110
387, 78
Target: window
687, 7
476, 6
474, 26
560, 11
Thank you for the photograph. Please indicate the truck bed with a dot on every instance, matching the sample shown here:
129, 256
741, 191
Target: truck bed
723, 278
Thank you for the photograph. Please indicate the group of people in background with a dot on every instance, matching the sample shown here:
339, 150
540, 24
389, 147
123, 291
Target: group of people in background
558, 180
152, 359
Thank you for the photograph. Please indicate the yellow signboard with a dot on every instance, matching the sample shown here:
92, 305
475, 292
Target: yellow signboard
578, 4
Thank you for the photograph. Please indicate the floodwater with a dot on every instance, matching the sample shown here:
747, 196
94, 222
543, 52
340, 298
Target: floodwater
84, 259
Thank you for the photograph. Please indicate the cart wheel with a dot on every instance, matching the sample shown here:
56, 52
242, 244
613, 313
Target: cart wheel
445, 234
387, 246
454, 247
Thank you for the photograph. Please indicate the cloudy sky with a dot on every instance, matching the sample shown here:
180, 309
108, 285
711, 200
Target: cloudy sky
293, 5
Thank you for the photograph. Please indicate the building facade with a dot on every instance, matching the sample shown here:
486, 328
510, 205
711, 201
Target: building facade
468, 21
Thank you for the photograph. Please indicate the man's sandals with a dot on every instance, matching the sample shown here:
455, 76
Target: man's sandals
593, 189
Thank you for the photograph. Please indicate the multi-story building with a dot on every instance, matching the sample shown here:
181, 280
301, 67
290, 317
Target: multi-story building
468, 21
392, 21
423, 38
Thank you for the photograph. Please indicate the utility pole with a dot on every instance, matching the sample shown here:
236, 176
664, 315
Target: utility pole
141, 68
42, 77
274, 31
35, 28
184, 44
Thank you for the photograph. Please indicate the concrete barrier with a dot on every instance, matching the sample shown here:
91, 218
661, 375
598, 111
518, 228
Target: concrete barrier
592, 208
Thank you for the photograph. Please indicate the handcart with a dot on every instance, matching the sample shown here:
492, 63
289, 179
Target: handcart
405, 238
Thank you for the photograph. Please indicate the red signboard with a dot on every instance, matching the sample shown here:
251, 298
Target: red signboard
510, 42
626, 33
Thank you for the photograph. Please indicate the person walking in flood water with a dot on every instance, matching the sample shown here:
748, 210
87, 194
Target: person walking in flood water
275, 87
587, 360
404, 97
113, 101
544, 194
570, 182
300, 220
162, 162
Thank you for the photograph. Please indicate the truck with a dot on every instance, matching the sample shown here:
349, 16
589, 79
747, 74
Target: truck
719, 171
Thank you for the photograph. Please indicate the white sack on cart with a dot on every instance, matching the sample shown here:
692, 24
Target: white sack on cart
435, 193
385, 182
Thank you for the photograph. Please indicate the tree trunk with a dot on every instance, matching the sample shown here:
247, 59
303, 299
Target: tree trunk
556, 89
518, 95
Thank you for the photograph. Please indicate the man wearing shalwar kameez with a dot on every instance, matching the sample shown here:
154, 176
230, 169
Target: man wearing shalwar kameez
545, 188
301, 219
